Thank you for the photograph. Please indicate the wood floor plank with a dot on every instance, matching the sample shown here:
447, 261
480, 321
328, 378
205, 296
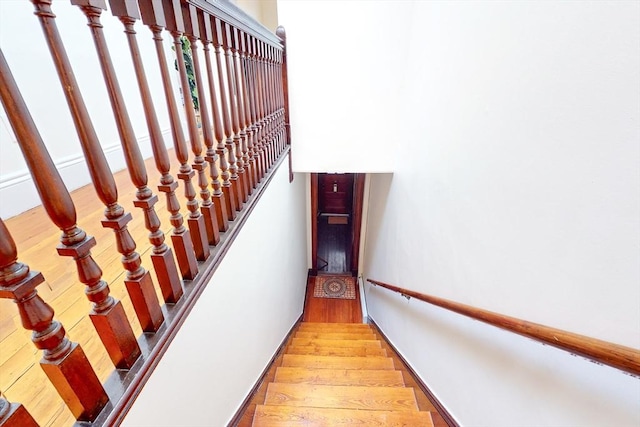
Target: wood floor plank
335, 343
336, 351
360, 377
345, 397
333, 362
288, 416
342, 327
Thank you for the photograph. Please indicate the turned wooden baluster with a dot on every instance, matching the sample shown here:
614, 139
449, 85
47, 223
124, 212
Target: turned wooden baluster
192, 31
63, 361
271, 103
278, 82
228, 185
242, 112
260, 124
176, 25
264, 105
206, 36
252, 79
138, 281
240, 138
107, 314
14, 415
250, 130
232, 141
153, 16
162, 256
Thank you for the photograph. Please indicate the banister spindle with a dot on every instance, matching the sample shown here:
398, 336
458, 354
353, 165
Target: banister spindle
107, 315
228, 186
233, 112
206, 36
242, 113
138, 280
14, 414
63, 361
244, 72
255, 113
271, 104
264, 105
153, 16
240, 138
177, 26
162, 256
260, 107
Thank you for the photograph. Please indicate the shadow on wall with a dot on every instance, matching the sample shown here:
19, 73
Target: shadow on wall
380, 186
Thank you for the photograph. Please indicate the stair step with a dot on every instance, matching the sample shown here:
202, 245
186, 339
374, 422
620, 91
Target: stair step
301, 342
362, 377
345, 397
290, 416
336, 351
337, 362
334, 326
335, 335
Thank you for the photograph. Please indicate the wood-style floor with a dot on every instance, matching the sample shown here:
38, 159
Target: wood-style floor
331, 310
334, 246
21, 378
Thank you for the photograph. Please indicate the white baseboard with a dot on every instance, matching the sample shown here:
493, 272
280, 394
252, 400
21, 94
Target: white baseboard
18, 193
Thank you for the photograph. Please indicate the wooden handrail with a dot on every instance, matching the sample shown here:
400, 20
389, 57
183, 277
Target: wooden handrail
618, 356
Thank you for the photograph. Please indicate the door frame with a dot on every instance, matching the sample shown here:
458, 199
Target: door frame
358, 200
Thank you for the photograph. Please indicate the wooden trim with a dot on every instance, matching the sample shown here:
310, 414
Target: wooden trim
358, 197
314, 223
442, 411
247, 400
123, 387
618, 356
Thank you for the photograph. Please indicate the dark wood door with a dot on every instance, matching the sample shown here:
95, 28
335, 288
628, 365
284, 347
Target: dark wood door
335, 193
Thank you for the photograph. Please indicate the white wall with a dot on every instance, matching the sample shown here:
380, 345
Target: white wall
252, 301
516, 185
344, 75
25, 49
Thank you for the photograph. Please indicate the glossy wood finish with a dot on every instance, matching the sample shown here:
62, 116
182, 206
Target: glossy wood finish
63, 361
331, 309
621, 357
107, 313
342, 389
14, 415
162, 256
206, 36
225, 143
138, 280
282, 35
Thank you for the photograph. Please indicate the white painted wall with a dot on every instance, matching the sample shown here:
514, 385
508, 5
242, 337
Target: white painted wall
519, 193
25, 49
344, 77
234, 329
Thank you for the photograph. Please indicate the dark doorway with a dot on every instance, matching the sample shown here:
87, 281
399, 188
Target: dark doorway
337, 210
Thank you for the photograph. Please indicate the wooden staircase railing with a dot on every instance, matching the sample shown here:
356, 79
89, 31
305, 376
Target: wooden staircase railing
244, 133
618, 356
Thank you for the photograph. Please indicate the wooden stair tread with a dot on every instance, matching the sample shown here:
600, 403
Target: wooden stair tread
334, 326
337, 351
288, 416
337, 362
345, 397
335, 335
319, 342
361, 377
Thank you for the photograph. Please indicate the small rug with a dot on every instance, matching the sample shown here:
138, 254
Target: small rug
338, 220
341, 287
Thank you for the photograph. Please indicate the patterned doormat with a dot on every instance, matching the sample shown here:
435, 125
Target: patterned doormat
341, 287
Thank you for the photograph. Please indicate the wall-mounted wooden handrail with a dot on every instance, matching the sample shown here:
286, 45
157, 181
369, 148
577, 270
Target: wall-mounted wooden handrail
618, 356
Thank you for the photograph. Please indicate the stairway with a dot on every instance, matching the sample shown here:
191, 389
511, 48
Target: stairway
338, 374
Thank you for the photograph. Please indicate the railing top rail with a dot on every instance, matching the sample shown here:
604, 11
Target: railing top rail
618, 356
237, 17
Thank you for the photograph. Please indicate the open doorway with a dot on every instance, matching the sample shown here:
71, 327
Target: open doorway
336, 207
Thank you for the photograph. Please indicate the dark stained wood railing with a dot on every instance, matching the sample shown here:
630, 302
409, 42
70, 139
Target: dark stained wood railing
242, 140
618, 356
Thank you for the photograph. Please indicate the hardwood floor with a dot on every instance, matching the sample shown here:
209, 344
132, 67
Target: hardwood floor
334, 245
331, 310
21, 378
